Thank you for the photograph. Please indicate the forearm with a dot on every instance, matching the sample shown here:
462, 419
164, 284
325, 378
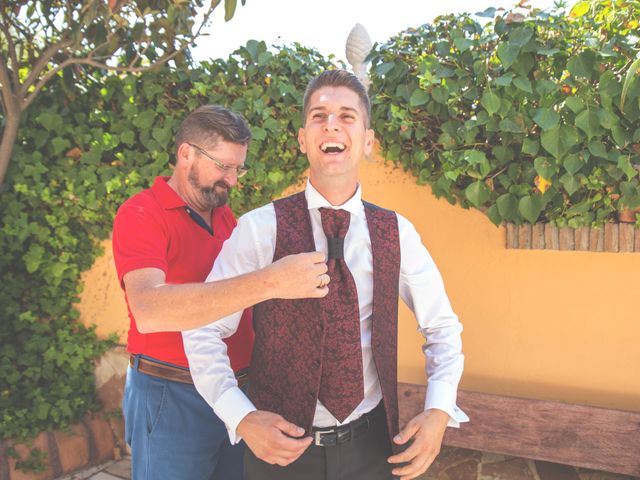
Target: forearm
178, 307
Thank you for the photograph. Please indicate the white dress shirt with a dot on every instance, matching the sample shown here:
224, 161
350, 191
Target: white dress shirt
251, 247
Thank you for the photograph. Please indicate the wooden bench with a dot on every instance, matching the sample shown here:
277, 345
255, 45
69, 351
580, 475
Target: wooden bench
576, 435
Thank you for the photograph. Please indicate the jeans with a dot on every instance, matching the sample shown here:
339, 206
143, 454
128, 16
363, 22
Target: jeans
174, 434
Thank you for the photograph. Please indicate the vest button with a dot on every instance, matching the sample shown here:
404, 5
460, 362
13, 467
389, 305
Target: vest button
316, 362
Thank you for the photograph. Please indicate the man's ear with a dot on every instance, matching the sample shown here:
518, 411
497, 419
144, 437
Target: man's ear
182, 154
369, 141
303, 146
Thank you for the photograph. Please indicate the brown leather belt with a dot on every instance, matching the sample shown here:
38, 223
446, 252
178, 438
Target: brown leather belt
176, 374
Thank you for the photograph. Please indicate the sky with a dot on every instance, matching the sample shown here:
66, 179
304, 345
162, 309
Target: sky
325, 24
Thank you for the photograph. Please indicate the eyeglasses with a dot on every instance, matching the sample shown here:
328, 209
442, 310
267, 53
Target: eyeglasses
240, 171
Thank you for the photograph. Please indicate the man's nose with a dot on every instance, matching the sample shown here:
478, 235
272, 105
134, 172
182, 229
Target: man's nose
231, 177
332, 122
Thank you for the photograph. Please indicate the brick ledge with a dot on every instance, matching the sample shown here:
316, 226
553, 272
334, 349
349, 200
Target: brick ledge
614, 237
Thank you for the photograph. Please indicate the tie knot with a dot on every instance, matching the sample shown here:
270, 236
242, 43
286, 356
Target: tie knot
335, 223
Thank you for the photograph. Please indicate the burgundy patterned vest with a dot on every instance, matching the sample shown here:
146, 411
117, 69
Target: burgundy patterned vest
287, 355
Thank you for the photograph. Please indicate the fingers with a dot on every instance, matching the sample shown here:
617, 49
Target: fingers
408, 455
316, 257
271, 438
407, 432
414, 469
288, 428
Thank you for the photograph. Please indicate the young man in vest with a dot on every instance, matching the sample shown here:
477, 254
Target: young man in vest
164, 239
329, 365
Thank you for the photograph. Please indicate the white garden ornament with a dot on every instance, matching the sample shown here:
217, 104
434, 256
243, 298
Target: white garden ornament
357, 48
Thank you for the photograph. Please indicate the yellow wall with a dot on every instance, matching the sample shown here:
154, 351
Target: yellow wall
539, 324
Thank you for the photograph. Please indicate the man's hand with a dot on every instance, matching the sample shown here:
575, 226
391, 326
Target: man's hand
427, 430
299, 276
269, 436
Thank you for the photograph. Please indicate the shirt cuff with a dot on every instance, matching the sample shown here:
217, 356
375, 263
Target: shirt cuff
232, 406
442, 395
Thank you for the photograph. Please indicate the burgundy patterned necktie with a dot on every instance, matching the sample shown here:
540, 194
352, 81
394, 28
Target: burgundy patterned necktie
341, 383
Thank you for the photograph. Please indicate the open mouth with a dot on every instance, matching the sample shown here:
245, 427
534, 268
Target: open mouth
333, 147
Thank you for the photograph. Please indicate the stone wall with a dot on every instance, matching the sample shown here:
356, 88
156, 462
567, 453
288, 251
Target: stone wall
95, 439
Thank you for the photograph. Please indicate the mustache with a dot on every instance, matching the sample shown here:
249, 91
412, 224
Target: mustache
219, 183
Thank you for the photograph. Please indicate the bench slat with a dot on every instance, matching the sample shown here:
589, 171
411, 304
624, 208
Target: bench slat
577, 435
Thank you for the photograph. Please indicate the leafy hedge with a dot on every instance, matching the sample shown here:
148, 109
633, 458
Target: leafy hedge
80, 154
519, 117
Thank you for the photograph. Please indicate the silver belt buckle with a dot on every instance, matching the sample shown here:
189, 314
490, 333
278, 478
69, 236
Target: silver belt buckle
318, 438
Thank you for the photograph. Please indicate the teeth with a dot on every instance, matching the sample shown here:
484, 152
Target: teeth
332, 146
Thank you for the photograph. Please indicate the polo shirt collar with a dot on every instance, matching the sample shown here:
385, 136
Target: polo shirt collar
167, 196
315, 200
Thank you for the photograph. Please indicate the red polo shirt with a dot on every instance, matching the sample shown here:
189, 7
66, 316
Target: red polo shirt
155, 228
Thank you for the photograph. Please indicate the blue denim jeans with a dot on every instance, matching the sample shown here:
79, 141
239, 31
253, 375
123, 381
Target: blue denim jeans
174, 434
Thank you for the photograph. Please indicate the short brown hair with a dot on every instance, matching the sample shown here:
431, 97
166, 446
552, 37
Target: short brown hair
337, 78
209, 124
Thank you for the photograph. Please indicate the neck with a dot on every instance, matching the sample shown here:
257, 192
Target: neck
335, 191
186, 194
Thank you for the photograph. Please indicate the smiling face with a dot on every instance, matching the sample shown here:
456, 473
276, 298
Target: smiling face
334, 136
204, 185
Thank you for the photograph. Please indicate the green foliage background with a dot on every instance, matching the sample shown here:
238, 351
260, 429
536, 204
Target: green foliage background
490, 114
81, 152
519, 117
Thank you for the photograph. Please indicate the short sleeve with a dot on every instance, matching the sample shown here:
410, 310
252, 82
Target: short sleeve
139, 240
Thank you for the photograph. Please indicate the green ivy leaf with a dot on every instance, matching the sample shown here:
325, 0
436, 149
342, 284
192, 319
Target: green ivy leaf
573, 163
624, 164
530, 146
507, 53
597, 148
582, 65
477, 193
523, 84
494, 215
580, 9
418, 97
520, 36
490, 101
558, 140
258, 133
575, 104
589, 123
621, 136
570, 183
505, 80
546, 118
507, 206
440, 94
509, 125
530, 207
608, 119
544, 167
33, 258
462, 43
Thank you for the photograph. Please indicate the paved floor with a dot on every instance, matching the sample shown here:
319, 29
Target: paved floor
452, 464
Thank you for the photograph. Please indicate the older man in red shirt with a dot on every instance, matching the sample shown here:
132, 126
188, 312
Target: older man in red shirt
165, 240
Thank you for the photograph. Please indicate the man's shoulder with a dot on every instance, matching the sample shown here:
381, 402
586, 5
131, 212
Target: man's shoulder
378, 208
260, 214
143, 199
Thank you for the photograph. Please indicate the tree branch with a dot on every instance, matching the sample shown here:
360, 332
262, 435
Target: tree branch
41, 63
12, 53
43, 81
8, 94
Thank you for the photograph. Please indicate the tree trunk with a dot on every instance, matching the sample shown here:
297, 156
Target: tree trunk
8, 139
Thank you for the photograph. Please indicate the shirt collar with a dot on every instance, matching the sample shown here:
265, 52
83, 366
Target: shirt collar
167, 196
316, 200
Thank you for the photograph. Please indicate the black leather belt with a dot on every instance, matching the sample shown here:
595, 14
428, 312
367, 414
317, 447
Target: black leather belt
327, 437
